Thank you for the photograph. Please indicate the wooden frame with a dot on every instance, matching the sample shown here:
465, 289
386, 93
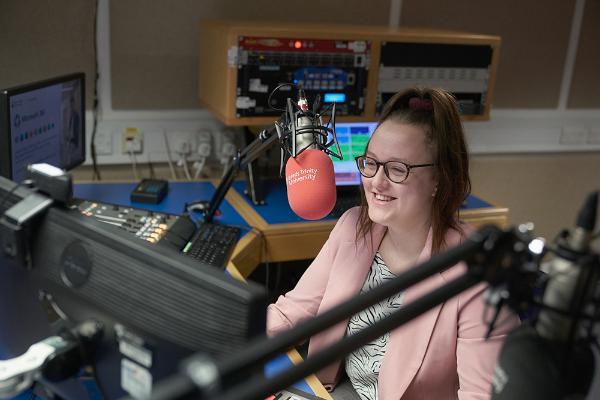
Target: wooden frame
217, 79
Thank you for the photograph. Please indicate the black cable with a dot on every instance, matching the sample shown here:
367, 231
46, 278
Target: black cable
273, 92
151, 167
96, 171
32, 395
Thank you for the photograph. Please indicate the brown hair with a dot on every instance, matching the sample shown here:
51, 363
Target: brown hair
437, 111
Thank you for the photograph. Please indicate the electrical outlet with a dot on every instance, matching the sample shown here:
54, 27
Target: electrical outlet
103, 142
182, 142
133, 140
594, 135
204, 148
573, 135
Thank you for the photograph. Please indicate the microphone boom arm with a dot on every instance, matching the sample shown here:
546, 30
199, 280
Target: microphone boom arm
242, 159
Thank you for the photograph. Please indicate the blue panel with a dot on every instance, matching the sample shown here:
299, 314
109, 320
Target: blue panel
474, 202
276, 209
173, 203
279, 364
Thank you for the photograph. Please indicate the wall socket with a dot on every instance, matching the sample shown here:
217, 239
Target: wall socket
104, 142
594, 135
573, 135
133, 140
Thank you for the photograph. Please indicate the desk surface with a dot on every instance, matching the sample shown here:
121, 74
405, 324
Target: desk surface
179, 194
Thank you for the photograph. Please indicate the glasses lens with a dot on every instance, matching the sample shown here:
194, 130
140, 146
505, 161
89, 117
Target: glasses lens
397, 171
367, 166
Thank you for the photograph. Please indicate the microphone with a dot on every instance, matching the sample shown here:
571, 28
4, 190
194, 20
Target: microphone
305, 143
550, 360
310, 184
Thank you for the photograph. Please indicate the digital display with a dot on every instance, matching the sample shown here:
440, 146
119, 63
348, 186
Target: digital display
46, 125
334, 97
353, 138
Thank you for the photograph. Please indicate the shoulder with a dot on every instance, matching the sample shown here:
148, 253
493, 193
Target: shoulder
346, 226
453, 238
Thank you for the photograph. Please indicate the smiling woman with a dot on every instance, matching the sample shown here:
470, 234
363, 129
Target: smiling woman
415, 175
424, 124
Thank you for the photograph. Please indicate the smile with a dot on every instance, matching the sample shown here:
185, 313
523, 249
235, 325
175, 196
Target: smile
382, 197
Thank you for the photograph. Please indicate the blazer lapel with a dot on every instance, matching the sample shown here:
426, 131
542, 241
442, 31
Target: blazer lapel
348, 275
408, 343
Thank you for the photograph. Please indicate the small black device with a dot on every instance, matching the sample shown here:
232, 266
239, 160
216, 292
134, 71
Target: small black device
150, 191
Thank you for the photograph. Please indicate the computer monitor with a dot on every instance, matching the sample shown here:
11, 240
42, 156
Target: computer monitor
158, 307
353, 138
42, 122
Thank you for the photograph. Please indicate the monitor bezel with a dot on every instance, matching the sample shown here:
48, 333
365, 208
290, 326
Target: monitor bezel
5, 134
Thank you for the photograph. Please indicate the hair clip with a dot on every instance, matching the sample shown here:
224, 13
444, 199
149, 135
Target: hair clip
419, 104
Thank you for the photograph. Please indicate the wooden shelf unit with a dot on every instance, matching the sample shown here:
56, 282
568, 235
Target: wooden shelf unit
218, 44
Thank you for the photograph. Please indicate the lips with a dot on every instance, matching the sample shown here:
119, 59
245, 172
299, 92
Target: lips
383, 198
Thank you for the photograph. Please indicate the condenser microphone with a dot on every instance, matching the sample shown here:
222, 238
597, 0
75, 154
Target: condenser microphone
307, 134
310, 184
566, 276
548, 360
306, 146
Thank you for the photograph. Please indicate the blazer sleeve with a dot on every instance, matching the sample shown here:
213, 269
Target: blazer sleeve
304, 300
476, 357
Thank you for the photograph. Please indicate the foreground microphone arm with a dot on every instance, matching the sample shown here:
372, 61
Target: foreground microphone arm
572, 275
490, 255
551, 357
54, 358
19, 373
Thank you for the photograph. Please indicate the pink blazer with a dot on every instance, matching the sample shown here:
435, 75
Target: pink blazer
422, 355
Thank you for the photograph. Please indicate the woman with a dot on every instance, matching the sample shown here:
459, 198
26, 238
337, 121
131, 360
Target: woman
414, 179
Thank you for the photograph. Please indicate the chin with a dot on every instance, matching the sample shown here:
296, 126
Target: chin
379, 217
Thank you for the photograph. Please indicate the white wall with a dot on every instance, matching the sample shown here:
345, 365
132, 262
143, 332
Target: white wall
508, 131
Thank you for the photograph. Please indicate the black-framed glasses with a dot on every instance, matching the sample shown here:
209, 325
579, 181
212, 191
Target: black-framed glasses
396, 171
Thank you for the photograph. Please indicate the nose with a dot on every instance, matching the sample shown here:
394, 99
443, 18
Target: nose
380, 180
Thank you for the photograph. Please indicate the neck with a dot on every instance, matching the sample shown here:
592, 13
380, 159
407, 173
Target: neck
409, 239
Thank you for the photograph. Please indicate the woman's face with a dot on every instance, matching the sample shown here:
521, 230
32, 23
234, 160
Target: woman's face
407, 203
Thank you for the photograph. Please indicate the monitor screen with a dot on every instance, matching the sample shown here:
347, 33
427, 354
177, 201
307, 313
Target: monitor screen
42, 122
353, 138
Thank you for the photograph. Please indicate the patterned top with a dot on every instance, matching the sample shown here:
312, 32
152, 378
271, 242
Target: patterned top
362, 366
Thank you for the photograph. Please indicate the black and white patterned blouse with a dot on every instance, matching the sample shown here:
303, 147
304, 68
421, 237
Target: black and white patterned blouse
362, 366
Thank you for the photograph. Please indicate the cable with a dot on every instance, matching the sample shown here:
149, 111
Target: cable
134, 164
96, 171
186, 169
169, 158
273, 92
151, 168
198, 167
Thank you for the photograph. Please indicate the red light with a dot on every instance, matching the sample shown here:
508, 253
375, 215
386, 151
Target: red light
297, 44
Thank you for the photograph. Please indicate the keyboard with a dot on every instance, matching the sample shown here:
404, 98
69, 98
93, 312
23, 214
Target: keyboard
212, 244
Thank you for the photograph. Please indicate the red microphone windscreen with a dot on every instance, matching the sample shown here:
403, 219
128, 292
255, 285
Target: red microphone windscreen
310, 184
